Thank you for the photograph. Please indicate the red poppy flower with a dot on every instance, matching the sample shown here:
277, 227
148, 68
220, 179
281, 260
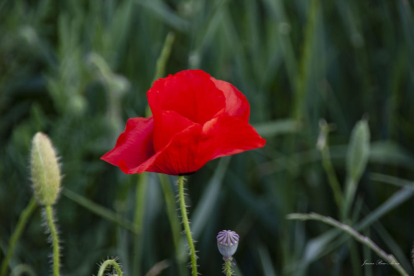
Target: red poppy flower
196, 118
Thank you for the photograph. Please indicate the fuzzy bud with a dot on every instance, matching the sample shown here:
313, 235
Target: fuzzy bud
227, 243
45, 170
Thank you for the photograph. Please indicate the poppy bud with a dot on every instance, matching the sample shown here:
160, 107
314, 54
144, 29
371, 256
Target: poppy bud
45, 170
227, 243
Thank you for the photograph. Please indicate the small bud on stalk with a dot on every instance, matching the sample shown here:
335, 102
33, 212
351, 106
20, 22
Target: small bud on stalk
44, 169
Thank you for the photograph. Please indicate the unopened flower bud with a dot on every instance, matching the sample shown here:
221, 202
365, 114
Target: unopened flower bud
227, 243
45, 170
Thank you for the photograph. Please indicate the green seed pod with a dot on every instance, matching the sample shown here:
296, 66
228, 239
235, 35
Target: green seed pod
45, 170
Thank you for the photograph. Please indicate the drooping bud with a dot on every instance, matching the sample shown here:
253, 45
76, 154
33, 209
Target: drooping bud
227, 243
44, 169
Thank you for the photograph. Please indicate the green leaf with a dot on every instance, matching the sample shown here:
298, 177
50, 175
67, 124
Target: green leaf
358, 151
330, 240
99, 210
271, 129
266, 261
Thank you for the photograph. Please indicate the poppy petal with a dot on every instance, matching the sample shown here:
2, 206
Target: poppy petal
228, 135
180, 156
236, 103
190, 93
134, 145
166, 124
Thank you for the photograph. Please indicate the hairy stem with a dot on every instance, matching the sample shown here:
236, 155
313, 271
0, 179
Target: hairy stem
108, 263
17, 233
55, 239
362, 239
227, 268
174, 221
187, 225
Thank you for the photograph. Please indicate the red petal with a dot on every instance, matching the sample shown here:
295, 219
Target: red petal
236, 103
190, 149
166, 125
134, 145
190, 93
228, 135
180, 156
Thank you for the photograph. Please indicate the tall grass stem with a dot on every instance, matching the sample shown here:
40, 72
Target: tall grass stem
362, 239
332, 179
25, 215
138, 222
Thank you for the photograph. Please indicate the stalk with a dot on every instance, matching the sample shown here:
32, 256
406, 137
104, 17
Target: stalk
138, 223
227, 268
55, 239
109, 263
27, 212
362, 239
187, 225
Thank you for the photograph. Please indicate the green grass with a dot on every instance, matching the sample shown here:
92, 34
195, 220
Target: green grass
76, 70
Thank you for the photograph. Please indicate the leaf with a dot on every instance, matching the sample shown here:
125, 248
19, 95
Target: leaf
358, 151
99, 210
330, 240
266, 261
277, 127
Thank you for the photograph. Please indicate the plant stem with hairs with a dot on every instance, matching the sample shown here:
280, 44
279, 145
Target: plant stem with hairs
110, 263
362, 239
171, 209
17, 233
55, 240
227, 268
187, 225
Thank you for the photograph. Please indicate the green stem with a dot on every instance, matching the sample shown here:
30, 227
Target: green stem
227, 268
332, 179
355, 258
138, 222
174, 221
351, 186
108, 263
162, 62
322, 145
17, 233
55, 239
163, 58
187, 225
362, 239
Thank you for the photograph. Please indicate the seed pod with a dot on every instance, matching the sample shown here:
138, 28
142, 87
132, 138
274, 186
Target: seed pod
45, 170
227, 243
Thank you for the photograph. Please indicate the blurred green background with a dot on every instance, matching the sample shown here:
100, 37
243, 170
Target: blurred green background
77, 70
